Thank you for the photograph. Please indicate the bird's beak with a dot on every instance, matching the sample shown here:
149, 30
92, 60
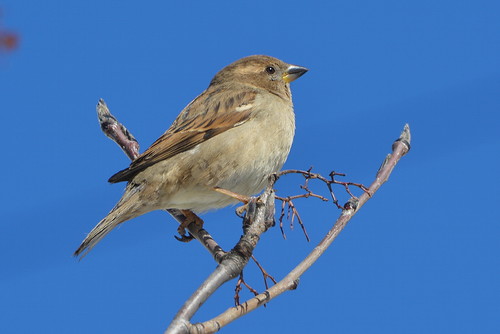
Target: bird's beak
293, 72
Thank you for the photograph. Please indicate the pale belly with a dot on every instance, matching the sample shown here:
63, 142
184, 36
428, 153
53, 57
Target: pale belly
239, 160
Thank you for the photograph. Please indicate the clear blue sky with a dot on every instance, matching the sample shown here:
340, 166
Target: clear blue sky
422, 256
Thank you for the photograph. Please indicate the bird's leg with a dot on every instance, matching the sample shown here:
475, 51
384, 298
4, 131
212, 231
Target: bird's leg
191, 218
242, 198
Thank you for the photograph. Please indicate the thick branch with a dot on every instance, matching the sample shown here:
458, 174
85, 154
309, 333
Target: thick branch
118, 133
400, 147
258, 218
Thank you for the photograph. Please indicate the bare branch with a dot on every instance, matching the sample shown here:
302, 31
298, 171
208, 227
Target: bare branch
264, 273
116, 131
238, 288
292, 213
258, 218
291, 209
400, 147
308, 175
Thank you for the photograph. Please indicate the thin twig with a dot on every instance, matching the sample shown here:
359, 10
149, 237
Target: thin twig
291, 209
238, 288
264, 273
292, 212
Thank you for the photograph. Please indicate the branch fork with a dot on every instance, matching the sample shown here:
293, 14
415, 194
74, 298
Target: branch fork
258, 218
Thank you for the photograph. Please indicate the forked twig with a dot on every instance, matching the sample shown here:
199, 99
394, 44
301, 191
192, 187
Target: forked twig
238, 288
292, 212
264, 273
400, 147
308, 175
288, 205
258, 218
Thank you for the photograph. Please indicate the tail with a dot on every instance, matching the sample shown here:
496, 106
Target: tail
127, 208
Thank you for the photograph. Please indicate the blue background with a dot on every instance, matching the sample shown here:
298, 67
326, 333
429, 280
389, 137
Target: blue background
421, 257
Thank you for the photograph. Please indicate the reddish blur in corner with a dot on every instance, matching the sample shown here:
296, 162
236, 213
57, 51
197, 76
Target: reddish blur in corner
9, 40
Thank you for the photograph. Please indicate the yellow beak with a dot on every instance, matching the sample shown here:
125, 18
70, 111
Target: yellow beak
293, 72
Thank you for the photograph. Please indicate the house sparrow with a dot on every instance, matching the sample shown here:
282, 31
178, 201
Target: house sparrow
232, 136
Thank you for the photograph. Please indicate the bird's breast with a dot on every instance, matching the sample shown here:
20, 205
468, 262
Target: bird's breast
239, 159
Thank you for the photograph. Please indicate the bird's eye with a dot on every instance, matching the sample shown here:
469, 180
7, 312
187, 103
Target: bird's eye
270, 70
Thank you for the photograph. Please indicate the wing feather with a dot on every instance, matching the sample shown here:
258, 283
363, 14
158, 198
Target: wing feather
205, 117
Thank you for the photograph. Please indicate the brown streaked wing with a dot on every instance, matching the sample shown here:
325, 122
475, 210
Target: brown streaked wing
204, 118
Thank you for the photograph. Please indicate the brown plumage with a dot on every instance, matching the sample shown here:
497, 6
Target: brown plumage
232, 136
186, 133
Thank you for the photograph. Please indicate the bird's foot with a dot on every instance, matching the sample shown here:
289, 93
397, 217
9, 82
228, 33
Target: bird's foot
240, 211
191, 218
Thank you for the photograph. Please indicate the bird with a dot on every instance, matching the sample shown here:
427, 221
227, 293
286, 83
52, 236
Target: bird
232, 136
